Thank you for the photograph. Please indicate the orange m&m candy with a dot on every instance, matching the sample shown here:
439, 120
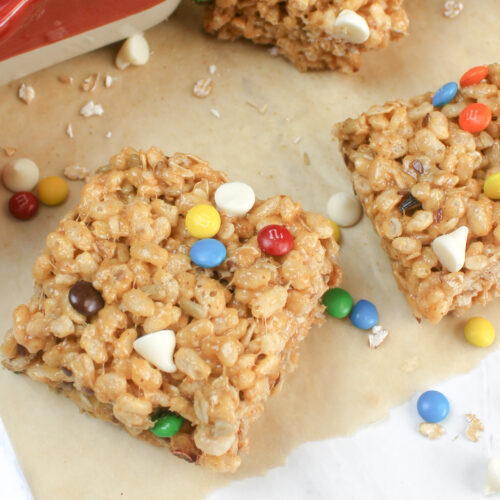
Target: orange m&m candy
475, 117
473, 76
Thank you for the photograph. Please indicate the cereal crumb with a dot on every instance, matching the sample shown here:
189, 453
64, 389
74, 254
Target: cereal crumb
455, 438
108, 81
411, 364
212, 69
474, 429
307, 160
26, 93
274, 51
91, 109
215, 113
108, 134
68, 80
297, 139
90, 82
261, 109
452, 8
431, 431
69, 131
76, 173
203, 87
9, 151
378, 335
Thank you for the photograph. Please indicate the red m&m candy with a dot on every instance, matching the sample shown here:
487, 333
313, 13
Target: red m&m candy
23, 205
473, 76
475, 117
275, 240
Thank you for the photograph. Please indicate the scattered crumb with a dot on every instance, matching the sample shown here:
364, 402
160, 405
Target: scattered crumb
69, 131
90, 82
68, 80
215, 113
475, 427
307, 160
108, 134
378, 335
452, 8
203, 87
212, 69
91, 109
108, 81
297, 139
9, 151
431, 431
26, 93
455, 438
76, 173
411, 364
261, 109
274, 51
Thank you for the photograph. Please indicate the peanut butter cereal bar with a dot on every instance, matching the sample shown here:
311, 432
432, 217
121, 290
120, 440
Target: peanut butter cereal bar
313, 34
419, 169
117, 269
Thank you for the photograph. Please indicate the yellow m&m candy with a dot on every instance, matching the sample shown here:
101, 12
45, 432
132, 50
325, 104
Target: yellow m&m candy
492, 186
479, 332
336, 231
52, 190
202, 221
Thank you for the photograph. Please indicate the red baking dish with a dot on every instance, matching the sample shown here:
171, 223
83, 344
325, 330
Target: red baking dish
38, 33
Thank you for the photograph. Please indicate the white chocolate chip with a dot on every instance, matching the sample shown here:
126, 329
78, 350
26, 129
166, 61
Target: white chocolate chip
493, 479
26, 93
378, 335
234, 198
134, 51
91, 109
351, 27
20, 175
344, 209
158, 349
450, 249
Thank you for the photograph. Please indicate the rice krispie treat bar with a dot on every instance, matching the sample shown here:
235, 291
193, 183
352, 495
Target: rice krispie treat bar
313, 34
428, 175
125, 324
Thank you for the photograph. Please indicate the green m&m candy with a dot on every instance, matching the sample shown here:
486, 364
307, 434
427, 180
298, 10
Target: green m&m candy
167, 424
338, 302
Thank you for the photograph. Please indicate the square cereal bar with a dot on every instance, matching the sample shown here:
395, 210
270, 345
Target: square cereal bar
117, 269
419, 170
313, 34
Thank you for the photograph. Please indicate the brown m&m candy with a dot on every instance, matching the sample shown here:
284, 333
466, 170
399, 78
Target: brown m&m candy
85, 298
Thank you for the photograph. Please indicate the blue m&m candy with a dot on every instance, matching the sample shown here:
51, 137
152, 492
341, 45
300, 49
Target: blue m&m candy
364, 315
445, 94
208, 253
433, 406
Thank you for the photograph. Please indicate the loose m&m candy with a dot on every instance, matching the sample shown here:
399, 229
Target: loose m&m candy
364, 315
338, 302
475, 117
275, 240
52, 190
479, 332
433, 406
23, 205
208, 253
445, 94
473, 76
203, 221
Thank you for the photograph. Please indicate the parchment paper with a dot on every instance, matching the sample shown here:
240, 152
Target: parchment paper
341, 384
